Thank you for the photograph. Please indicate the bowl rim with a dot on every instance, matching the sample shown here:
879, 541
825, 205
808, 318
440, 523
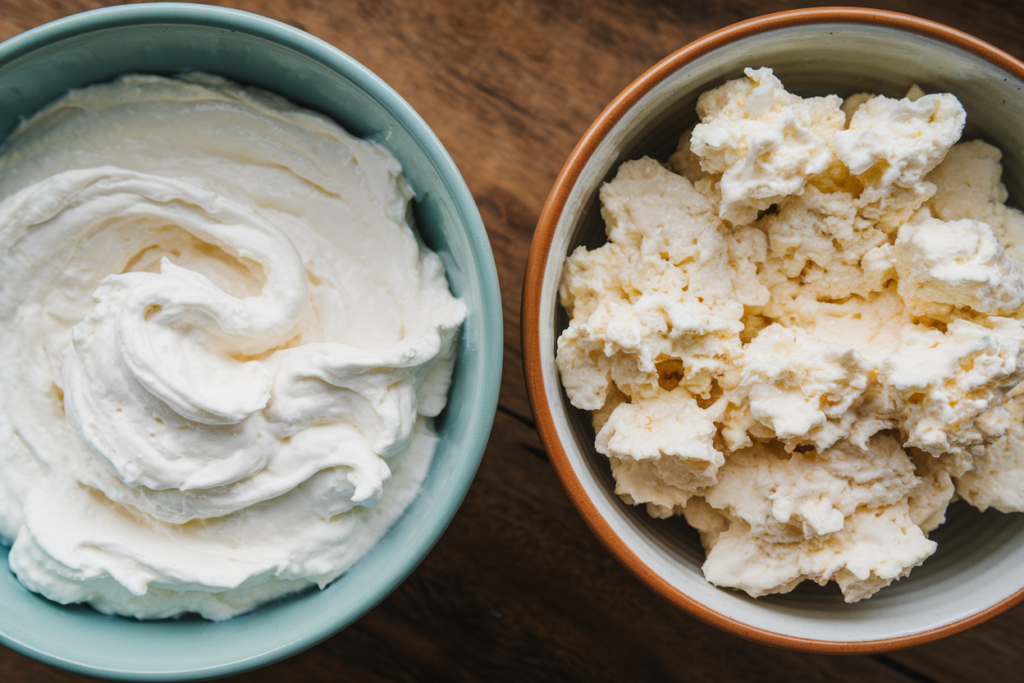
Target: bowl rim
540, 249
489, 320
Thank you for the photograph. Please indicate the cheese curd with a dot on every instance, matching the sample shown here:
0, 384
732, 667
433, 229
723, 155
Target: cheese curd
223, 346
804, 333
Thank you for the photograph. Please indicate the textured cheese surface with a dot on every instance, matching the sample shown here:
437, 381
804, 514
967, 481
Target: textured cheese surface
764, 141
804, 332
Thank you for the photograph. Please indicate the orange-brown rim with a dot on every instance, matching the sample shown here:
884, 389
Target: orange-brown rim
540, 250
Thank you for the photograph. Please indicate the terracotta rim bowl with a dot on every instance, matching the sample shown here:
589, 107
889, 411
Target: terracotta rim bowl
975, 574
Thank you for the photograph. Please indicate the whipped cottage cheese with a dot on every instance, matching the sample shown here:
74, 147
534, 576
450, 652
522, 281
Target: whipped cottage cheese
805, 333
222, 346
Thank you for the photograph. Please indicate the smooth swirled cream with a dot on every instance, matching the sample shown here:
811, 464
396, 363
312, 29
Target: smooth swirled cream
222, 346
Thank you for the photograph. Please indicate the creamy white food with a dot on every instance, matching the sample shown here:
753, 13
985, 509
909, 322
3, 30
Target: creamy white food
222, 348
804, 333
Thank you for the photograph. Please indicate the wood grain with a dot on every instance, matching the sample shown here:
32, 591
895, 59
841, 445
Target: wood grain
518, 589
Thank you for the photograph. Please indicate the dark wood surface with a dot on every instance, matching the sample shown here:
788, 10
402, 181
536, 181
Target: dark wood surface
518, 589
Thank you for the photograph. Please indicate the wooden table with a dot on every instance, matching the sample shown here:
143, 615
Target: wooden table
518, 589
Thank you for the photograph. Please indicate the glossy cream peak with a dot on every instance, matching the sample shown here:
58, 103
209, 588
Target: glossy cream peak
226, 343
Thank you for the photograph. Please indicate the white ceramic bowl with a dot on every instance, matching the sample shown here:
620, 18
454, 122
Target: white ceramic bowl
975, 572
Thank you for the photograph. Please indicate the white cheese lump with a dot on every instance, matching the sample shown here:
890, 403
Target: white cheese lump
804, 333
222, 342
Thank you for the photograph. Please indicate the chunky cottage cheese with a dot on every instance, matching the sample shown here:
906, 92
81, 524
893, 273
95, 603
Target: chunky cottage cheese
804, 333
222, 348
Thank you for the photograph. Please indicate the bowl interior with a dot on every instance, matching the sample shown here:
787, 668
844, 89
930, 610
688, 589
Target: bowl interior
976, 565
94, 47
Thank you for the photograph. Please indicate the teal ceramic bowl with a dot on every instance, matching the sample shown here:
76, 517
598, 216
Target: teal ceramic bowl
41, 65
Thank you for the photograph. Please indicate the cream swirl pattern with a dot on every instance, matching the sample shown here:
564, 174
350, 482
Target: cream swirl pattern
227, 344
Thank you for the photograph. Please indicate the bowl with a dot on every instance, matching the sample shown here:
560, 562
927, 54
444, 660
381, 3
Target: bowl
975, 573
41, 65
